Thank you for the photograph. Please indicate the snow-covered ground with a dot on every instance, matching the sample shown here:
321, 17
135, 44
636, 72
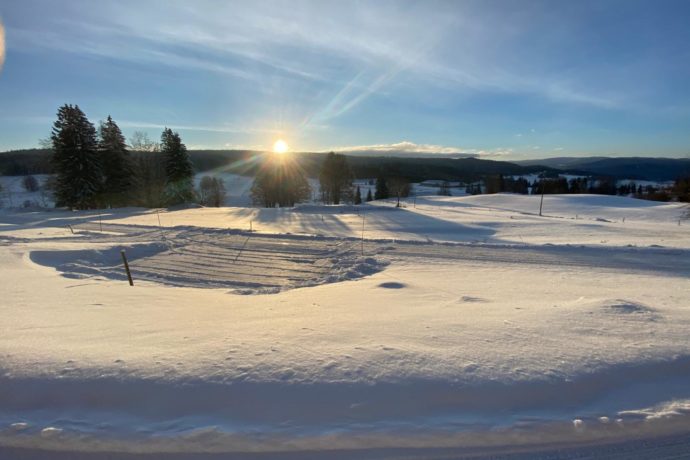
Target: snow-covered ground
457, 322
13, 194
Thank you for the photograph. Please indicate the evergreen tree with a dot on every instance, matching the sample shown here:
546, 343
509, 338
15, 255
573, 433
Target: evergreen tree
358, 196
335, 179
118, 170
369, 197
179, 173
76, 159
381, 192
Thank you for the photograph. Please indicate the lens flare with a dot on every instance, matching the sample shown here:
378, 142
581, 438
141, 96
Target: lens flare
280, 146
2, 45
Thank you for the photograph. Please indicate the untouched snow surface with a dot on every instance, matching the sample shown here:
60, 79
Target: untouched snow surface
458, 322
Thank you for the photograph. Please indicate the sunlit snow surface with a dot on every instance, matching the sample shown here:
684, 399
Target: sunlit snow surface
461, 321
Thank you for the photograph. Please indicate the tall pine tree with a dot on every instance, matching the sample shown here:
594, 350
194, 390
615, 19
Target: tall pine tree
179, 172
76, 160
381, 192
358, 196
118, 170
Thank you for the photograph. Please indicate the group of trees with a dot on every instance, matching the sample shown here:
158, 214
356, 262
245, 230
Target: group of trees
94, 167
281, 182
335, 180
682, 189
603, 185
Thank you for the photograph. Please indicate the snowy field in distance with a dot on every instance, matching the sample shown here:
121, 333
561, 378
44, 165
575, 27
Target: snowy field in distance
459, 321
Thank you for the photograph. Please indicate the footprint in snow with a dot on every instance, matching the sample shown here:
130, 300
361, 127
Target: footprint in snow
467, 298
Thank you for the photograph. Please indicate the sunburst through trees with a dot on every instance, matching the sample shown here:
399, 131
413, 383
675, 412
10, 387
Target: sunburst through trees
280, 182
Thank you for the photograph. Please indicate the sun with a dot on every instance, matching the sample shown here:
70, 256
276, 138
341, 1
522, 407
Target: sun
280, 146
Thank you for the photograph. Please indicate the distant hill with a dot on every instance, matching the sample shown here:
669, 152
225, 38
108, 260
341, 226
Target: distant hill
23, 162
638, 168
246, 162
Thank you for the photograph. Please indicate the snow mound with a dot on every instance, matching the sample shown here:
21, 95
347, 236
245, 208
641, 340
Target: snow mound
349, 268
392, 285
627, 308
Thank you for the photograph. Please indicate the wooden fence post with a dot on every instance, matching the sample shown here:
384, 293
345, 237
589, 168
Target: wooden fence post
124, 261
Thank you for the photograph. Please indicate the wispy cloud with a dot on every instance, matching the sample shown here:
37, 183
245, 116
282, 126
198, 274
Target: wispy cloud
372, 42
402, 147
227, 129
408, 148
472, 72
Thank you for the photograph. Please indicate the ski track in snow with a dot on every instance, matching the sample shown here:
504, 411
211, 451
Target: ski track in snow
265, 263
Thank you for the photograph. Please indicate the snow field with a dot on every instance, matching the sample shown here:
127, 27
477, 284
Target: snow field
415, 343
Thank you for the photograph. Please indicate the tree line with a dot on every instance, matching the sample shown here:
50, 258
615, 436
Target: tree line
602, 185
94, 167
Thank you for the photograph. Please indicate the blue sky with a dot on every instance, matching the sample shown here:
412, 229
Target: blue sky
502, 79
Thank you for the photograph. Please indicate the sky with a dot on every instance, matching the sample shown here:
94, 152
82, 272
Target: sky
499, 79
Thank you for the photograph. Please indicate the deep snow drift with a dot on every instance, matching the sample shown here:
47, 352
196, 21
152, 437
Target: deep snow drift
455, 322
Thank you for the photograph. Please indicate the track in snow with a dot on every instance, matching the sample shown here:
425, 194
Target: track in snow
264, 263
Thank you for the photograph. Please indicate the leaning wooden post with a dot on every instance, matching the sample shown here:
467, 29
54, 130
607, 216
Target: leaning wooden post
124, 261
541, 203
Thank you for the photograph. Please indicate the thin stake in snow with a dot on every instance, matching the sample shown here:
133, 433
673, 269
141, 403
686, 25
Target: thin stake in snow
124, 261
239, 253
541, 203
100, 221
362, 233
72, 230
158, 213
